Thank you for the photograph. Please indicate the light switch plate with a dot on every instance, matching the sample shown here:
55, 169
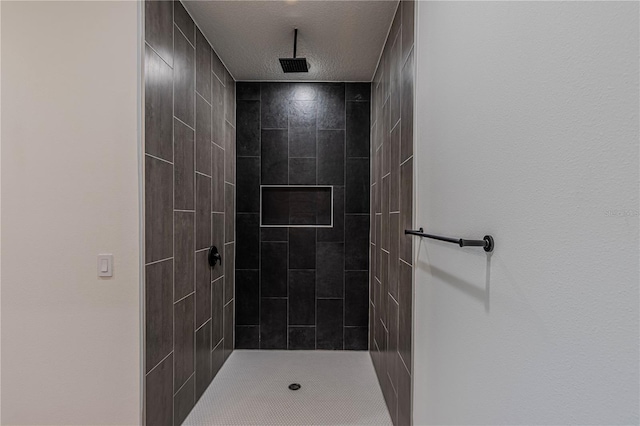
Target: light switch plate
105, 265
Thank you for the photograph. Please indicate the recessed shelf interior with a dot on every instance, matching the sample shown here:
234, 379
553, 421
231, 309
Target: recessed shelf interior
296, 206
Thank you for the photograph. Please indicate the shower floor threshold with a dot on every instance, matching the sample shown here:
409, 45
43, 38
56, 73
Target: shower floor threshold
252, 388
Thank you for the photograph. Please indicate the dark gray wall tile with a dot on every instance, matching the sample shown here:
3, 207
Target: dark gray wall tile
331, 99
384, 288
203, 66
358, 188
184, 400
329, 332
217, 239
406, 209
184, 79
302, 338
371, 326
304, 91
247, 91
159, 398
395, 68
183, 21
184, 166
203, 288
184, 262
302, 297
248, 241
203, 136
229, 99
274, 157
378, 241
274, 234
217, 179
356, 338
228, 340
248, 196
358, 91
229, 217
248, 297
217, 358
302, 171
230, 154
394, 177
302, 114
393, 33
248, 336
394, 252
404, 397
158, 312
273, 323
158, 28
392, 344
302, 142
335, 234
248, 134
203, 359
230, 272
405, 294
203, 209
358, 129
357, 242
217, 304
217, 67
331, 157
217, 112
330, 269
273, 272
389, 394
158, 209
184, 329
406, 112
274, 98
385, 213
408, 7
302, 248
158, 105
356, 297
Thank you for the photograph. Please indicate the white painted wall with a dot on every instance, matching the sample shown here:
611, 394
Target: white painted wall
527, 128
70, 341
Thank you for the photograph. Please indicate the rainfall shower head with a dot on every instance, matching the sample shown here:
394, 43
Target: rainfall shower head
294, 64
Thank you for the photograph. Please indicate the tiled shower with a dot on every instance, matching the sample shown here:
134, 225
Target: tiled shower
323, 172
302, 286
189, 206
391, 284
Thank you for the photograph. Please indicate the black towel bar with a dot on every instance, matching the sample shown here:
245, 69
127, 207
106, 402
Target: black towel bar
486, 242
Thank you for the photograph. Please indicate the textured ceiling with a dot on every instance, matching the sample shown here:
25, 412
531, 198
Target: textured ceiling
341, 40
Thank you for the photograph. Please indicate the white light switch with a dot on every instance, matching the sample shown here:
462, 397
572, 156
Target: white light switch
105, 265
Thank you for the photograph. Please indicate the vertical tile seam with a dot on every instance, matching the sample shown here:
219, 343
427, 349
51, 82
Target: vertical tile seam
344, 219
195, 177
289, 228
318, 94
260, 223
173, 224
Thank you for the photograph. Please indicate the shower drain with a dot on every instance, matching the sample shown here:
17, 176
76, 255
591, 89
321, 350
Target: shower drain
294, 386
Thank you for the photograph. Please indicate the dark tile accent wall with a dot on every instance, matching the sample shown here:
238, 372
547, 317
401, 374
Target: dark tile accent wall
390, 281
303, 288
189, 205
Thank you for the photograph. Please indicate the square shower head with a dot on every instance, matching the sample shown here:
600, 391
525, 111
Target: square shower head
294, 65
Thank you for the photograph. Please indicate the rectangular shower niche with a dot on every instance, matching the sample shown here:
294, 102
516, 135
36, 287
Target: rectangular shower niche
301, 206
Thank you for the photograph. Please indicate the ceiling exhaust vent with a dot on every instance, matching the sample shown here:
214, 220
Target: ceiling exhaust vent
294, 64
